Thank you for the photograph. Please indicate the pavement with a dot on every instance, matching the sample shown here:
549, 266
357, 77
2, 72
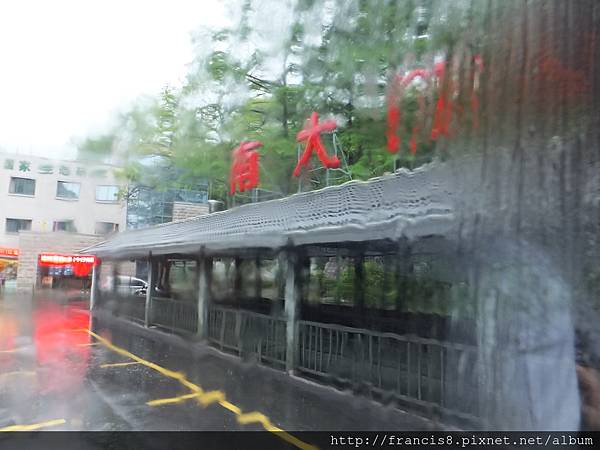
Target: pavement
58, 373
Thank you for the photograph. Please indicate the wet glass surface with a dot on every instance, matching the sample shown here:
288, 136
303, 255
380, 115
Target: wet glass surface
460, 283
52, 369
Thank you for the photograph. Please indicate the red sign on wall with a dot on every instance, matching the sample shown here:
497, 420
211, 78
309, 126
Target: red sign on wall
9, 252
82, 264
57, 259
244, 170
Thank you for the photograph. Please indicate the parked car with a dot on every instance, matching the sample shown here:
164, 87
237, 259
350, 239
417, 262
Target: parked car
126, 285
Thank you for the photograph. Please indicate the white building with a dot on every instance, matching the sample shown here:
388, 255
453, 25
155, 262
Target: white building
49, 205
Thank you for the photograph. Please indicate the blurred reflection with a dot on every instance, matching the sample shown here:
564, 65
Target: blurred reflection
526, 366
500, 96
589, 380
8, 332
62, 352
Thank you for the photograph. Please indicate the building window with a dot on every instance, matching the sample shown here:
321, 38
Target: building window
68, 190
146, 207
106, 227
22, 186
16, 225
64, 225
107, 193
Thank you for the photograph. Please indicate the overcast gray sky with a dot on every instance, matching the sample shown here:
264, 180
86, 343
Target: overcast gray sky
68, 65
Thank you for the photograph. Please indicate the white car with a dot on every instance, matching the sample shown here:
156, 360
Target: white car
126, 285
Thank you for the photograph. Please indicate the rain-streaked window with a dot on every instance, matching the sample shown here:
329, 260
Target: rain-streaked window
107, 193
66, 190
22, 186
16, 225
397, 201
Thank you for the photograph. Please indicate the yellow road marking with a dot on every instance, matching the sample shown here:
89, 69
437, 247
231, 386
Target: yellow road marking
123, 364
168, 401
92, 344
231, 407
213, 396
35, 426
203, 398
27, 373
5, 378
293, 440
166, 372
256, 417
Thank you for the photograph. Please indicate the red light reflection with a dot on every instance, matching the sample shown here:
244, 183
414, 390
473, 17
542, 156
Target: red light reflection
61, 346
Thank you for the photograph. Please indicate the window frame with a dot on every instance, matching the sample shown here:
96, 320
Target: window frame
73, 199
6, 222
115, 228
66, 230
115, 200
11, 184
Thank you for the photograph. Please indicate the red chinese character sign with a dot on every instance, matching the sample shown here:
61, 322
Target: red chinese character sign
9, 252
478, 62
244, 169
394, 115
81, 264
445, 105
311, 134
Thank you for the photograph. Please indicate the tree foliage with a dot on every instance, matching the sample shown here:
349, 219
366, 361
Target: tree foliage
261, 78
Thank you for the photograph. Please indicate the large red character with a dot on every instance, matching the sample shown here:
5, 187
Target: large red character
443, 109
312, 135
394, 115
478, 62
244, 170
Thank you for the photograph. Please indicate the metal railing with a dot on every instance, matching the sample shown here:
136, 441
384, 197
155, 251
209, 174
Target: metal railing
429, 373
420, 371
129, 307
133, 308
248, 334
177, 316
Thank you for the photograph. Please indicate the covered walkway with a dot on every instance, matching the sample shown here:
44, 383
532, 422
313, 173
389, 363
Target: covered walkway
342, 285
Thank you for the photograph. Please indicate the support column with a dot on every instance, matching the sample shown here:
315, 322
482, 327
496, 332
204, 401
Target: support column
237, 282
205, 266
94, 287
403, 269
359, 287
149, 290
385, 263
115, 274
258, 279
338, 264
291, 307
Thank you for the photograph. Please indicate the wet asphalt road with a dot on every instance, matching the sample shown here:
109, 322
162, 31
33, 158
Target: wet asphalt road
55, 375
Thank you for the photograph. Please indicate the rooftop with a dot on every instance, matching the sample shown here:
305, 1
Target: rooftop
404, 204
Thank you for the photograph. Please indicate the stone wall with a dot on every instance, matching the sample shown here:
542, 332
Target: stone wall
32, 243
184, 210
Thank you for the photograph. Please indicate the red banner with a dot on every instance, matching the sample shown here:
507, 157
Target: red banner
57, 259
9, 252
82, 264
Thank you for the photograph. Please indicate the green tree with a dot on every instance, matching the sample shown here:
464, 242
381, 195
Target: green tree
261, 78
